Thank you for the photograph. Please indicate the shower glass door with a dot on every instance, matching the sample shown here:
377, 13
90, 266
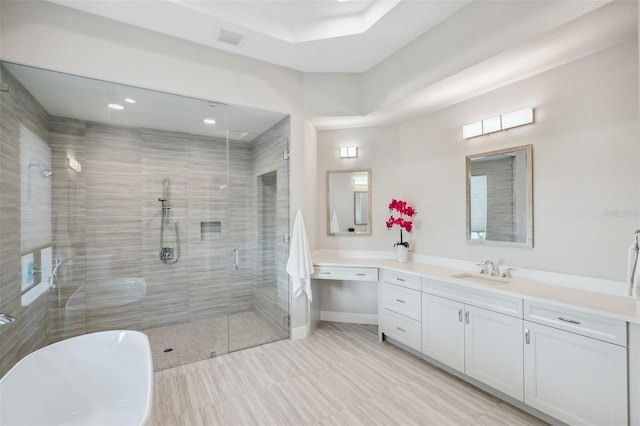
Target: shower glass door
167, 216
259, 208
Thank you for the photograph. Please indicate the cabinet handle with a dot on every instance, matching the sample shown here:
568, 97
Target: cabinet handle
569, 320
460, 315
400, 301
402, 329
466, 317
325, 273
400, 279
527, 336
361, 275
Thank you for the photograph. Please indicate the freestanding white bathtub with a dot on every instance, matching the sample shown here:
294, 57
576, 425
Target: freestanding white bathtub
97, 379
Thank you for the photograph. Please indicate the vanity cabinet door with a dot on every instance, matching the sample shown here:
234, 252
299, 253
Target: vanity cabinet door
443, 330
576, 379
493, 350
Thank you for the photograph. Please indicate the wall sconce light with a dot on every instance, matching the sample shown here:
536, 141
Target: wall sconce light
74, 164
348, 152
498, 123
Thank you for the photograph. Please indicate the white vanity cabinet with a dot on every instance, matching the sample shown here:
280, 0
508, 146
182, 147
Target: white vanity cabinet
400, 308
493, 350
557, 359
571, 375
483, 344
443, 330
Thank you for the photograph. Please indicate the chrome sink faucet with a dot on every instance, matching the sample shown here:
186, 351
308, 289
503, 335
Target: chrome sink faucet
488, 267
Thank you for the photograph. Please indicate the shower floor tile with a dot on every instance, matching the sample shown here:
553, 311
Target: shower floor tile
188, 342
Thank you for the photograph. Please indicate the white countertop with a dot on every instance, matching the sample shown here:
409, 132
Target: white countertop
608, 305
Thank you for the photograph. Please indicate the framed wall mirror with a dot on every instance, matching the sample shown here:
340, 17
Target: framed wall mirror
349, 202
500, 197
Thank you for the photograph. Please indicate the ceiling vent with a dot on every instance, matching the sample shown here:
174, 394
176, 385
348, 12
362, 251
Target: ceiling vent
230, 37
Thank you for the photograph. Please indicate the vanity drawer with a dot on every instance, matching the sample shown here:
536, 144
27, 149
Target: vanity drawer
345, 273
606, 329
401, 300
403, 329
404, 280
495, 302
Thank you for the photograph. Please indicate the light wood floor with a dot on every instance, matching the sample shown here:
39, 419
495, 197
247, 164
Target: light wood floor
340, 375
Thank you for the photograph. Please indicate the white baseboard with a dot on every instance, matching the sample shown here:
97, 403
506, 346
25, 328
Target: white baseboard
349, 317
299, 332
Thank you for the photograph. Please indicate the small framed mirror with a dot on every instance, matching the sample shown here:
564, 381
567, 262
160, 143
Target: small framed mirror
349, 202
500, 197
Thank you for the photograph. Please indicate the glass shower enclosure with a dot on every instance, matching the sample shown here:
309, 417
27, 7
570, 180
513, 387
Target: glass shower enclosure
161, 213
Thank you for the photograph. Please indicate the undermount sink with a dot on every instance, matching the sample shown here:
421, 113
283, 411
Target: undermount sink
481, 278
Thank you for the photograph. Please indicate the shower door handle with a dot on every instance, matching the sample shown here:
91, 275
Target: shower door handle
236, 258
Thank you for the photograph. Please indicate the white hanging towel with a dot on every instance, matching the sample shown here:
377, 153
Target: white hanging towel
300, 265
633, 279
335, 226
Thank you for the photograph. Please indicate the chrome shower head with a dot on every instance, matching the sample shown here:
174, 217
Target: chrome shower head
44, 172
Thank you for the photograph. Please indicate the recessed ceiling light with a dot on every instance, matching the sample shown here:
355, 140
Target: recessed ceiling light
209, 121
130, 101
115, 106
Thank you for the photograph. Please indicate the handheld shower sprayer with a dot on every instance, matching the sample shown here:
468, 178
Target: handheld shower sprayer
165, 199
167, 254
165, 188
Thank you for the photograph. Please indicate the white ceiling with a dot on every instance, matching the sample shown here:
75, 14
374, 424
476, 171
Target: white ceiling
70, 96
297, 21
277, 24
304, 35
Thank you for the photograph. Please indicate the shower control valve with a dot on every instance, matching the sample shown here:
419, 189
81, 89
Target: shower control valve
166, 253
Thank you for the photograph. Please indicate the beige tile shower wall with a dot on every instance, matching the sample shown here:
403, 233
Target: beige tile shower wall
242, 229
28, 332
68, 140
267, 229
117, 234
272, 302
113, 175
208, 258
165, 155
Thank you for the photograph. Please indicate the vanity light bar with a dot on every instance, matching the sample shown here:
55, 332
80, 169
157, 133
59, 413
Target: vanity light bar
517, 118
500, 122
348, 152
472, 130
